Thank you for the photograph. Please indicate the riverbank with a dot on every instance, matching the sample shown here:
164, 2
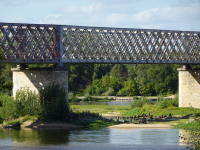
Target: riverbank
30, 124
148, 126
35, 125
126, 98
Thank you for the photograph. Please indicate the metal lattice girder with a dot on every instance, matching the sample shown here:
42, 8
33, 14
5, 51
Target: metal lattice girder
28, 43
32, 43
116, 45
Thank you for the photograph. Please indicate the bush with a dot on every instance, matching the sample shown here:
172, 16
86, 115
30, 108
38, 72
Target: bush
122, 92
174, 101
70, 95
110, 92
7, 108
74, 99
27, 103
135, 98
140, 102
85, 99
165, 103
50, 104
53, 102
88, 90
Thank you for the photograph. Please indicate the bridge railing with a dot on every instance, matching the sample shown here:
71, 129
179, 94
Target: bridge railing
38, 43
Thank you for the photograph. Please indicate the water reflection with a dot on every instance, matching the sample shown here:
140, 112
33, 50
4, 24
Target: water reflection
105, 136
186, 136
145, 136
27, 137
112, 103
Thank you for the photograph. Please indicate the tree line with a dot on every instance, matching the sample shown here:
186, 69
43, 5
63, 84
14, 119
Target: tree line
110, 79
123, 79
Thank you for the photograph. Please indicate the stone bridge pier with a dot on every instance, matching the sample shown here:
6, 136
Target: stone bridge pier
37, 78
189, 87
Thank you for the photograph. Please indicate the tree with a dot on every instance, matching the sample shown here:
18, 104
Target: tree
6, 77
117, 70
130, 87
101, 70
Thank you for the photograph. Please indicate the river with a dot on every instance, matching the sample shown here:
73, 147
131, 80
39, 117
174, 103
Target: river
117, 103
85, 138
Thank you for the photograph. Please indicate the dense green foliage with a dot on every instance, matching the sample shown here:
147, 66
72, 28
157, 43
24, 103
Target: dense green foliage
140, 102
110, 79
49, 105
27, 103
123, 80
6, 78
7, 107
161, 102
53, 102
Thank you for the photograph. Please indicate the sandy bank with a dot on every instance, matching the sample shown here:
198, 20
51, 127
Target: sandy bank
29, 124
163, 126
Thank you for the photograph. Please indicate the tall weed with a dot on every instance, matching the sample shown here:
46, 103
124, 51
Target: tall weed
50, 104
27, 103
140, 102
165, 103
174, 101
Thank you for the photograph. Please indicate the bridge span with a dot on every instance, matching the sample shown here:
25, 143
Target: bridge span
42, 43
60, 44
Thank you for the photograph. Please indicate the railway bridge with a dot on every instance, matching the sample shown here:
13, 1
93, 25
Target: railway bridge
24, 44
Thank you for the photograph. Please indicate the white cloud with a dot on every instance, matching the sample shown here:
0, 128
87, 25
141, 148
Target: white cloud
52, 16
122, 13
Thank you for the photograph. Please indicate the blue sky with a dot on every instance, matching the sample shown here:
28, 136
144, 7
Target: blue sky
145, 14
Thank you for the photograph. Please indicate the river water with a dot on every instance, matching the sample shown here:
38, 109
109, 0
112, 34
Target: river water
117, 103
84, 138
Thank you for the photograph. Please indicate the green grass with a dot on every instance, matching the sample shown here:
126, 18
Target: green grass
128, 111
156, 111
100, 108
21, 120
13, 122
189, 125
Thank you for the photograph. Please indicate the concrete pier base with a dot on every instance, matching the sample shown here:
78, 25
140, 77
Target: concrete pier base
189, 87
37, 78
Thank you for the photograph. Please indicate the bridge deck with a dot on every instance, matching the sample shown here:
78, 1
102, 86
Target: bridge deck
41, 43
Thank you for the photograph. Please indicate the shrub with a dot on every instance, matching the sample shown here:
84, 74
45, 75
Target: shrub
7, 108
88, 90
27, 102
74, 99
174, 101
140, 102
135, 98
165, 103
53, 102
70, 95
50, 104
85, 99
122, 92
110, 92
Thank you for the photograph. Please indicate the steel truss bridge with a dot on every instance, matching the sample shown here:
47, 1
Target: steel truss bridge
42, 43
